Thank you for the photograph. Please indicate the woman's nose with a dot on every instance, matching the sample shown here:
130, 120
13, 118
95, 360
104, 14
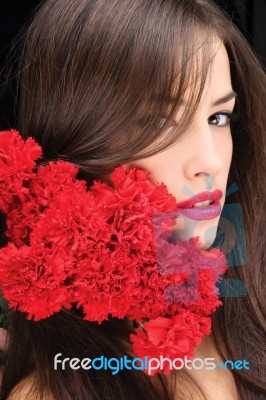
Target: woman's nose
204, 156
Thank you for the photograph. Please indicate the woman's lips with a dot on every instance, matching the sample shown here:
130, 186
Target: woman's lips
204, 212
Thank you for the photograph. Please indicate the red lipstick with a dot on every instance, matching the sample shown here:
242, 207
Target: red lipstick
204, 212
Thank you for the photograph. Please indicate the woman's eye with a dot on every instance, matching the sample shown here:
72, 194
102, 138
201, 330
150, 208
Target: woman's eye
222, 119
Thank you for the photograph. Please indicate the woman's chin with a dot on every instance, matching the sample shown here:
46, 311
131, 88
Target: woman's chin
205, 230
205, 245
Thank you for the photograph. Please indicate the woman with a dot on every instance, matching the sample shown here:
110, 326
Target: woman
151, 84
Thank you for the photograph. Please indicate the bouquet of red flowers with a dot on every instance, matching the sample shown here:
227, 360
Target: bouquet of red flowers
105, 249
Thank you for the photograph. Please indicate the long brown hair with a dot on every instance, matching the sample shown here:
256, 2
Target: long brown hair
96, 77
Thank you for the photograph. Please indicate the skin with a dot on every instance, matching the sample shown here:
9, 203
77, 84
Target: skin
216, 384
200, 160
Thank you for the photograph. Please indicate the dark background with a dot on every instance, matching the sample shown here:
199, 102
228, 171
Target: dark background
249, 16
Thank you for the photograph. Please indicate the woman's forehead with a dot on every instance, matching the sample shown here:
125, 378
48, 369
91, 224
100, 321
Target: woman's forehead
218, 79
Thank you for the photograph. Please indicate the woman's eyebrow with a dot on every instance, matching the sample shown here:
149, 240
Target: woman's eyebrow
225, 99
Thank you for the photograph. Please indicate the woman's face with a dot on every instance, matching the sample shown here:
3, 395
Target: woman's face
200, 160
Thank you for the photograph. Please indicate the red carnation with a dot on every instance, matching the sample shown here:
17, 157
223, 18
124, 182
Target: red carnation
174, 337
106, 250
17, 160
33, 279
